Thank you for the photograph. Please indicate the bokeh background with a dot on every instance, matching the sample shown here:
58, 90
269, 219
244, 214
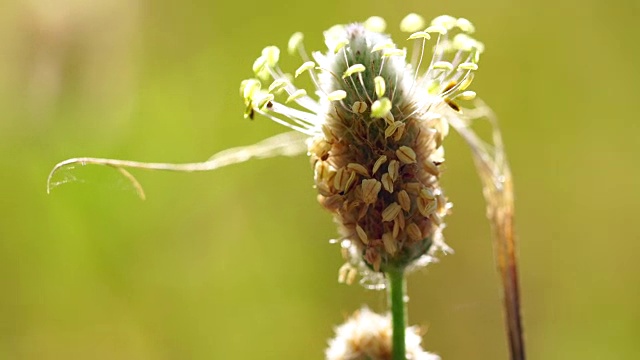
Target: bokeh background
235, 264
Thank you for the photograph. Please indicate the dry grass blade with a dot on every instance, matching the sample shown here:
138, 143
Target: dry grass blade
493, 169
287, 144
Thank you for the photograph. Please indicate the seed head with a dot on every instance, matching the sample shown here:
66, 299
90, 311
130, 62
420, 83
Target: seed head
376, 122
367, 336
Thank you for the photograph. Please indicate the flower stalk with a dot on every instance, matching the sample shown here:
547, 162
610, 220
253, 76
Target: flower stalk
397, 291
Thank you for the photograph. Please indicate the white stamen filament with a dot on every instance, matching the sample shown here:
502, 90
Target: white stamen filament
286, 124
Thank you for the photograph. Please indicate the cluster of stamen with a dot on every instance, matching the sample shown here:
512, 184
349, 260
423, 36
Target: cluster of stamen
376, 124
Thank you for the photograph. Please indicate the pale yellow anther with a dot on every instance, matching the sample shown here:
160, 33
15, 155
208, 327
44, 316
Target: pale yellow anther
362, 234
387, 182
431, 168
294, 42
250, 87
465, 42
442, 65
264, 74
391, 129
394, 169
347, 274
465, 25
321, 170
389, 119
277, 85
338, 45
399, 132
334, 32
350, 181
467, 95
309, 65
375, 24
340, 179
359, 107
426, 207
353, 69
446, 21
380, 107
419, 35
404, 200
319, 147
389, 243
380, 86
336, 95
391, 212
370, 190
383, 46
296, 95
406, 155
439, 29
412, 23
468, 66
259, 64
359, 168
271, 55
381, 160
427, 194
466, 82
413, 231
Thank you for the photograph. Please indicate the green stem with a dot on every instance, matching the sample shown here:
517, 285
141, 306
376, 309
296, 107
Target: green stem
398, 314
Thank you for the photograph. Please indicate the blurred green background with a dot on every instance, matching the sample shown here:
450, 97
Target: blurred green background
235, 264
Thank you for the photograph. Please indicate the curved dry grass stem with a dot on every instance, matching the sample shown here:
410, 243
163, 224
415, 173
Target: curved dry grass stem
286, 144
495, 175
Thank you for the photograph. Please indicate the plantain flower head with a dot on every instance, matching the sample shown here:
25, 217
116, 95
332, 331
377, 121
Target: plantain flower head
376, 116
367, 336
